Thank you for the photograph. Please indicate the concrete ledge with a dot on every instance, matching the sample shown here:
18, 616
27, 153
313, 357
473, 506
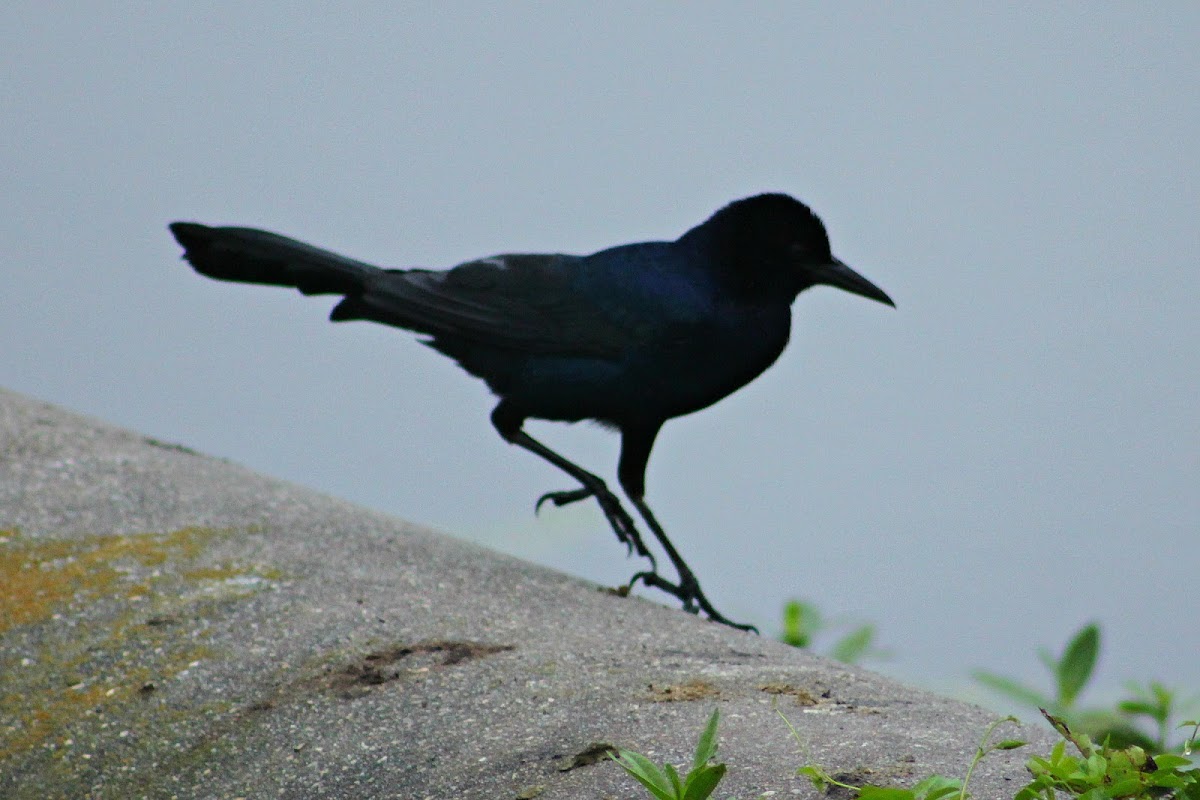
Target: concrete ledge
172, 625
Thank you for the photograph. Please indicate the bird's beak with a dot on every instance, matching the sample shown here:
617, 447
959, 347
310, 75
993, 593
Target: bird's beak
836, 273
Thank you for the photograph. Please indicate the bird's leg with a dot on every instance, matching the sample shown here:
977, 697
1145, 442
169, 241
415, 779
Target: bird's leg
637, 439
688, 589
622, 524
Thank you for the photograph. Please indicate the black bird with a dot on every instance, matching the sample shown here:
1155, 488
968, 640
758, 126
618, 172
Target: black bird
629, 337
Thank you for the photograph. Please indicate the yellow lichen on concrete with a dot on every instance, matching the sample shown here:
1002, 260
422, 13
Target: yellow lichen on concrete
40, 576
92, 629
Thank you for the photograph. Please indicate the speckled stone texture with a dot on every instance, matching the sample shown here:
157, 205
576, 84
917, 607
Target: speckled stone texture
173, 625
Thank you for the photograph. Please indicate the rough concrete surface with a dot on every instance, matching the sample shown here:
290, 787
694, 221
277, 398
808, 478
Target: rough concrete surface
173, 625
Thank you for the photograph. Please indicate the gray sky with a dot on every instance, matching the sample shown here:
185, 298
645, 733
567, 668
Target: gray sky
1013, 451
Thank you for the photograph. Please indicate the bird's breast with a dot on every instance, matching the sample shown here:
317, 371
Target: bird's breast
694, 365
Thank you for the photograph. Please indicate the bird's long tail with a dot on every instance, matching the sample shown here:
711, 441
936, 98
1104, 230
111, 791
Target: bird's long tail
249, 255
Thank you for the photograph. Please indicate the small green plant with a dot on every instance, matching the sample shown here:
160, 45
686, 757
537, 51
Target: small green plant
1124, 766
1101, 772
1150, 703
664, 782
1071, 672
935, 787
1159, 705
802, 622
1105, 772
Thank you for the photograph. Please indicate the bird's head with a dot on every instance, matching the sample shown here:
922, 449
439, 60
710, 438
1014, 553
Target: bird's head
774, 244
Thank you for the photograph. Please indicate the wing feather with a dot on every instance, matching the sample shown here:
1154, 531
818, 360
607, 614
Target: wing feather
525, 303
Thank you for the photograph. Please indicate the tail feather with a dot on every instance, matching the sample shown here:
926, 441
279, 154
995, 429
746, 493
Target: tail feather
248, 255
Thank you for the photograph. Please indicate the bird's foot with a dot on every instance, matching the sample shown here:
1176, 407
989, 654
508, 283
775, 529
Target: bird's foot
689, 593
622, 524
561, 499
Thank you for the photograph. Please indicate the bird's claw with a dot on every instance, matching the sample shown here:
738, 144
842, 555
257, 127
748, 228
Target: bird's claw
688, 592
561, 499
621, 522
623, 525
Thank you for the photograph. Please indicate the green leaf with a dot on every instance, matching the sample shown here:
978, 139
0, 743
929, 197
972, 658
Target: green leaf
1059, 751
676, 784
817, 776
938, 794
937, 786
1009, 744
1120, 736
646, 773
1078, 660
702, 782
1138, 707
1170, 780
800, 623
1013, 689
706, 747
1125, 787
1097, 766
885, 793
853, 646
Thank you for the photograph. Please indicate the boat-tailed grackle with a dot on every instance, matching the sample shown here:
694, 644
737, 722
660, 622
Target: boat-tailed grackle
629, 337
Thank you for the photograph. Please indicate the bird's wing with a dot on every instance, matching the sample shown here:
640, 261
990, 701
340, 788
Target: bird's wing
527, 303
